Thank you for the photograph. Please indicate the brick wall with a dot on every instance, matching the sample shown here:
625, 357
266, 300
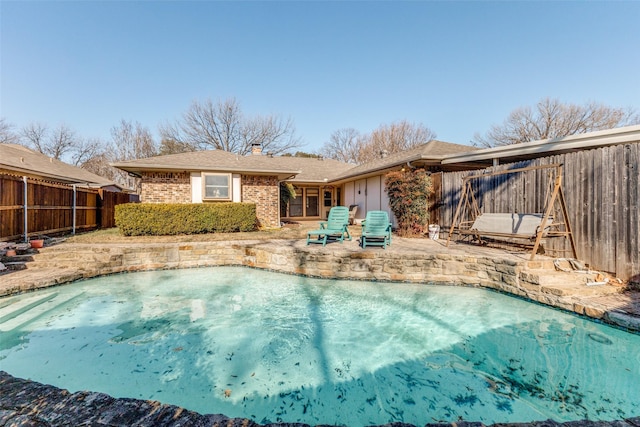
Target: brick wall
263, 191
166, 187
175, 187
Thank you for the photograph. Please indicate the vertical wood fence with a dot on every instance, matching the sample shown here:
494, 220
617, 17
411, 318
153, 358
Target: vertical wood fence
53, 208
602, 191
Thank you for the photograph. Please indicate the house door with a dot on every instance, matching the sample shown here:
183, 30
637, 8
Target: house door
312, 202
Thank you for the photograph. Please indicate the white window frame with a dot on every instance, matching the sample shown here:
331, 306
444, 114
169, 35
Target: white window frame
229, 196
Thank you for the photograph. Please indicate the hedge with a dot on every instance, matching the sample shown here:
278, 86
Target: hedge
160, 219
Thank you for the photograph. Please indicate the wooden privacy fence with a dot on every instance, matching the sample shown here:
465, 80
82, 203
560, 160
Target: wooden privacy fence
53, 208
602, 192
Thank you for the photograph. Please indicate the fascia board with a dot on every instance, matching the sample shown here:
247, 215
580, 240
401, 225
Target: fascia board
573, 142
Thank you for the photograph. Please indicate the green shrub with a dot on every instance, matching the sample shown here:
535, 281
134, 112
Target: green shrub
161, 219
408, 193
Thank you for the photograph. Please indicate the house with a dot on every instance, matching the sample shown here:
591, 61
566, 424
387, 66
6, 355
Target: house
215, 175
210, 176
19, 160
221, 176
363, 185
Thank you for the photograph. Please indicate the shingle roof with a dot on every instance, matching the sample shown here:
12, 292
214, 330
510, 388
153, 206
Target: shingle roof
311, 169
433, 150
305, 169
22, 160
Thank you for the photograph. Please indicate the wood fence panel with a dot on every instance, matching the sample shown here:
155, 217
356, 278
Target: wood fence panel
109, 201
11, 201
435, 199
602, 191
50, 207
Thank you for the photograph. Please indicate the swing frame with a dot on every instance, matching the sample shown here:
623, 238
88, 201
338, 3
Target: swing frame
554, 203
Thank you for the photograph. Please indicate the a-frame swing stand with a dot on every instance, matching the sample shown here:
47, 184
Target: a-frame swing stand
554, 222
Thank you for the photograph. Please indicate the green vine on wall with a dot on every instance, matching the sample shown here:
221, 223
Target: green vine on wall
408, 193
287, 193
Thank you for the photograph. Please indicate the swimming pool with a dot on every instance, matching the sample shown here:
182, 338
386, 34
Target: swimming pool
274, 347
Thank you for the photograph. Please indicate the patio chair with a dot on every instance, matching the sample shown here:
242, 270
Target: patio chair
334, 228
376, 230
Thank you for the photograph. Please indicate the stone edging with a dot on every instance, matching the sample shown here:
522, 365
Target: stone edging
27, 403
509, 275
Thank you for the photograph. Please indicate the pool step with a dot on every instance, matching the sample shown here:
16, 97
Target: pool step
79, 258
548, 280
15, 265
15, 314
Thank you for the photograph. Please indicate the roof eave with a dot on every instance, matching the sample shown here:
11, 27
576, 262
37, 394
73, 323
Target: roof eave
138, 169
550, 146
58, 178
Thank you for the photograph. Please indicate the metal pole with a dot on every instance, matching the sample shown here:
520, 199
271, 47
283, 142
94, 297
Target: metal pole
26, 232
73, 229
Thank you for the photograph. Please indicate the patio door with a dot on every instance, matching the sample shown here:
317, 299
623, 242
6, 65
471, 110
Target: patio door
312, 198
306, 203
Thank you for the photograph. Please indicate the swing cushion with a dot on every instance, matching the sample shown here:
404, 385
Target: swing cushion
510, 225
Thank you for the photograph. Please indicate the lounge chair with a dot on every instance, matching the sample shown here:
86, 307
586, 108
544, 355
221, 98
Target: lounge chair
334, 228
376, 230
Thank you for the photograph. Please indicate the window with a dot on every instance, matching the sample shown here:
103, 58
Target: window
295, 205
327, 198
216, 186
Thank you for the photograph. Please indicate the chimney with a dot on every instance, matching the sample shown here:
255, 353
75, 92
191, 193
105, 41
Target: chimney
383, 154
256, 149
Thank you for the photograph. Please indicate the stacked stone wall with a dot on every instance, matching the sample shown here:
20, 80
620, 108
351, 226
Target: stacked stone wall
521, 278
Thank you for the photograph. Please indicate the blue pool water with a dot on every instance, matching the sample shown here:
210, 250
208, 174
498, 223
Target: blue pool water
273, 347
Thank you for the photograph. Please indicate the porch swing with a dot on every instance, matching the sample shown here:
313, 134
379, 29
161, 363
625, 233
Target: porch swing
469, 221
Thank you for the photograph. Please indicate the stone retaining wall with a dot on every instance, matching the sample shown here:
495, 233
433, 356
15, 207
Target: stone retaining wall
518, 277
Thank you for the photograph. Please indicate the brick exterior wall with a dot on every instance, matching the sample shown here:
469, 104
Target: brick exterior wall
166, 187
175, 187
264, 192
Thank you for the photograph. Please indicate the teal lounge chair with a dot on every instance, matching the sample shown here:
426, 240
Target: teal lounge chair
334, 228
376, 230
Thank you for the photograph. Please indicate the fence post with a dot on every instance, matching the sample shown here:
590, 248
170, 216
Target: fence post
26, 232
73, 228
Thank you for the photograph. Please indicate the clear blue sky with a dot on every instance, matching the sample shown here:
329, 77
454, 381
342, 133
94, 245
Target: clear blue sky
456, 67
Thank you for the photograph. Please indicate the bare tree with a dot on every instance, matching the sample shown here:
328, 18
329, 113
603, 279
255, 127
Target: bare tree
87, 149
344, 145
222, 126
554, 119
99, 164
393, 138
7, 135
34, 135
57, 143
129, 141
61, 141
349, 146
132, 141
171, 146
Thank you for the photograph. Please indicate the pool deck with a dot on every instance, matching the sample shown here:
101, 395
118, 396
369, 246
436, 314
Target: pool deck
23, 402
